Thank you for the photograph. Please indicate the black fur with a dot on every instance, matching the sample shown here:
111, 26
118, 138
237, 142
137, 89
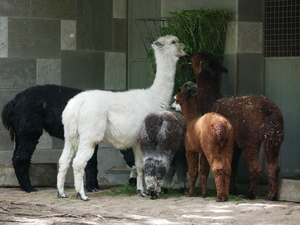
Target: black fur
128, 155
26, 116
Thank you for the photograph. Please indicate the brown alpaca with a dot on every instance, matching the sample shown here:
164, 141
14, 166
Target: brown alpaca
257, 121
213, 136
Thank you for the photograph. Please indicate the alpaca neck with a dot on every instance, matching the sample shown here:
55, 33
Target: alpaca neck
190, 111
209, 91
163, 84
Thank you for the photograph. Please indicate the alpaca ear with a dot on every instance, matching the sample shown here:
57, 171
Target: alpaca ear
158, 44
181, 89
224, 70
195, 95
213, 72
187, 94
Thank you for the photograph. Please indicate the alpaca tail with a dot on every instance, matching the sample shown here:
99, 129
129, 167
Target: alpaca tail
271, 131
222, 130
70, 117
7, 118
153, 126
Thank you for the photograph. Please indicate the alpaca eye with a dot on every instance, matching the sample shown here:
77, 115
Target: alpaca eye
177, 101
173, 42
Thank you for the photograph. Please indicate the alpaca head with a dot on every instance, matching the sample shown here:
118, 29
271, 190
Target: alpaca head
185, 99
187, 89
206, 63
167, 46
155, 170
175, 106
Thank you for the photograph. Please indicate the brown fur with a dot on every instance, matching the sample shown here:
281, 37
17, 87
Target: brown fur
213, 136
257, 122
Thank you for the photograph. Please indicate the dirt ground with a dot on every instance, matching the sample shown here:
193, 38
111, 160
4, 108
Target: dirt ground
43, 207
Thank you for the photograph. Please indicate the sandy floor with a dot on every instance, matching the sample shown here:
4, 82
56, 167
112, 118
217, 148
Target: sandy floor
43, 207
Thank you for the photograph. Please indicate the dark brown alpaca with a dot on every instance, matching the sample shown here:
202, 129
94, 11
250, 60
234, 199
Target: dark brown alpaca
213, 136
257, 122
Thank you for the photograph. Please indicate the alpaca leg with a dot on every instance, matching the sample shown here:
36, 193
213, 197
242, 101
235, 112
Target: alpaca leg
251, 156
234, 167
21, 160
193, 162
216, 167
91, 172
128, 156
169, 178
203, 175
85, 152
140, 184
132, 176
226, 160
181, 170
64, 162
273, 170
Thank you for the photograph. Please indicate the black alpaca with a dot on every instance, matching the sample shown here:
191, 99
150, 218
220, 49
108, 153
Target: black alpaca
26, 115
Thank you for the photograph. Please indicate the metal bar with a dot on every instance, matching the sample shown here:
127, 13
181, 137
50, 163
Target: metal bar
149, 30
136, 23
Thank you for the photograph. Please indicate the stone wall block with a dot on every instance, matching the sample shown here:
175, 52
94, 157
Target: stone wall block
15, 8
251, 73
82, 69
17, 73
119, 9
48, 71
6, 143
231, 38
33, 38
68, 35
251, 11
94, 25
115, 71
120, 35
3, 36
45, 141
55, 9
250, 37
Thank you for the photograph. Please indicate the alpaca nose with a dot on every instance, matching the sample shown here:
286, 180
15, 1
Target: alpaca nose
153, 194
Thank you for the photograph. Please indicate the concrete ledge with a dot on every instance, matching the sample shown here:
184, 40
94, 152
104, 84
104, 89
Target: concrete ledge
289, 190
117, 176
41, 174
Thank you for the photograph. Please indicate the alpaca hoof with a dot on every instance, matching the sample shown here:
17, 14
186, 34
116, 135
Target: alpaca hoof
165, 190
28, 190
182, 191
272, 198
61, 195
153, 195
189, 195
92, 186
250, 195
232, 191
132, 181
222, 200
82, 198
94, 190
140, 193
204, 196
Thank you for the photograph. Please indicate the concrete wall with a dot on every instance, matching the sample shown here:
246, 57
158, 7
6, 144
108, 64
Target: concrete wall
76, 43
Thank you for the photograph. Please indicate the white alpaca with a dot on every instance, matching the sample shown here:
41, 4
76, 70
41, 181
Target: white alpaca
115, 117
